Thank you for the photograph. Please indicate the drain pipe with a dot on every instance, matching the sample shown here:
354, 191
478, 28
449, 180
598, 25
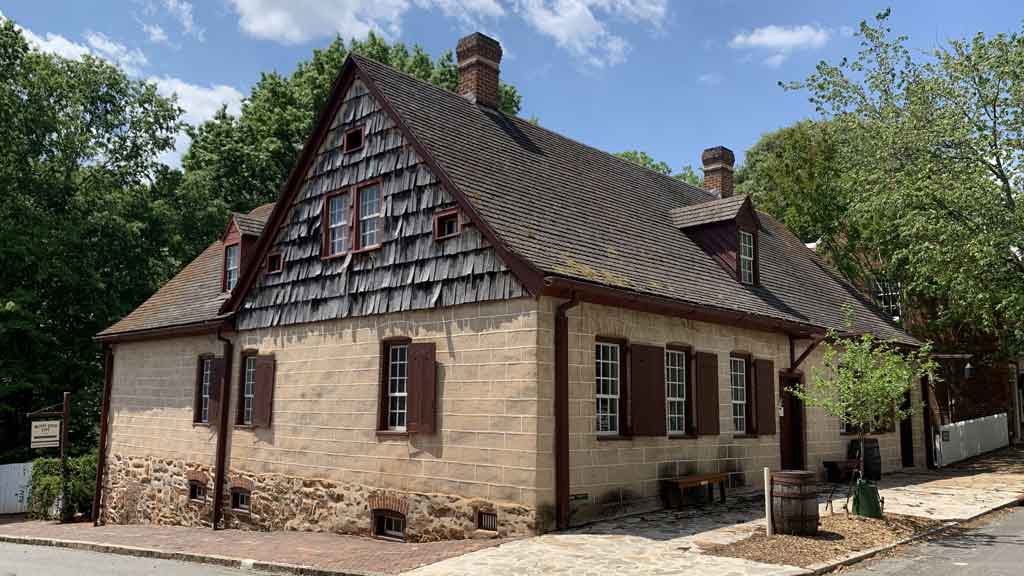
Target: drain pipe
562, 411
223, 429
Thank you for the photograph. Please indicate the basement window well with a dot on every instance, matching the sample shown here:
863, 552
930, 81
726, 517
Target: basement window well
388, 524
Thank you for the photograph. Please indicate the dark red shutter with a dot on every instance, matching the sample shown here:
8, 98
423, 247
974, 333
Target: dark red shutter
422, 415
216, 382
263, 391
707, 393
647, 378
764, 375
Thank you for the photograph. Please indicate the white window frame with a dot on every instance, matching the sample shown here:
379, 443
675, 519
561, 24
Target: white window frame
339, 236
367, 218
243, 499
887, 296
608, 388
398, 387
675, 390
738, 393
248, 389
232, 254
204, 391
746, 257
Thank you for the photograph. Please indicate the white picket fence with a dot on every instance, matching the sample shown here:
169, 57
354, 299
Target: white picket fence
962, 440
14, 480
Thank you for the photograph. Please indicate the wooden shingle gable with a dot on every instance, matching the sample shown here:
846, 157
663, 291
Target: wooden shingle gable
407, 269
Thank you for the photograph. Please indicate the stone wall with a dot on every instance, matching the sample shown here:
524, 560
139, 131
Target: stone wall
144, 490
613, 476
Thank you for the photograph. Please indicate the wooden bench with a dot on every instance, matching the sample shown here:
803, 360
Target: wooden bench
672, 488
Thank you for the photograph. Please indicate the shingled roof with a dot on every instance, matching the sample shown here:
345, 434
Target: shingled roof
576, 212
248, 224
193, 296
709, 212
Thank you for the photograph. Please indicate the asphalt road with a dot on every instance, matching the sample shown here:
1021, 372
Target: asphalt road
21, 560
995, 548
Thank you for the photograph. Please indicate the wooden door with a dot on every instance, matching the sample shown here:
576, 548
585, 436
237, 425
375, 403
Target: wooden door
792, 446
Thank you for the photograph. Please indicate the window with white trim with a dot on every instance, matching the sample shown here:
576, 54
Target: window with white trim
398, 386
675, 391
607, 366
887, 296
369, 216
388, 524
231, 266
204, 390
738, 393
248, 390
338, 234
746, 257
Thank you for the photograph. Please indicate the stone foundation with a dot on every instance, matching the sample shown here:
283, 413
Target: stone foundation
152, 491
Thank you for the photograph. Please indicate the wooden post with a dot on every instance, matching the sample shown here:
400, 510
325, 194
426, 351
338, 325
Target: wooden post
768, 501
65, 485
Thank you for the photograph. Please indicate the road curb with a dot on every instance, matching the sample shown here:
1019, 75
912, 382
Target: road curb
860, 556
226, 561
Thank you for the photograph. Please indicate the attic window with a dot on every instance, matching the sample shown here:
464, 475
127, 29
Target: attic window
353, 140
231, 253
746, 256
447, 224
275, 263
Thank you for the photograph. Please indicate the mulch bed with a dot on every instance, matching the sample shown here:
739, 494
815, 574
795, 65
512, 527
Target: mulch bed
838, 536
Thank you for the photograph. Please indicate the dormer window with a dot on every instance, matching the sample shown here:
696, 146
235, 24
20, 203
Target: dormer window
231, 263
746, 256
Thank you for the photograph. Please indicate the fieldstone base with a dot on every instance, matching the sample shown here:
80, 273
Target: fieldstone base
140, 490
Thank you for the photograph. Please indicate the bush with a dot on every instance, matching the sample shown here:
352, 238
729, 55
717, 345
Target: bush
45, 486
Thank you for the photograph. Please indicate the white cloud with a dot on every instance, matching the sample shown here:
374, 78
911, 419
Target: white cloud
51, 43
156, 33
182, 12
709, 79
131, 60
780, 41
847, 31
200, 103
582, 27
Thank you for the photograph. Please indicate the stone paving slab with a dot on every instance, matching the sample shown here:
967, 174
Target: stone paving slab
324, 552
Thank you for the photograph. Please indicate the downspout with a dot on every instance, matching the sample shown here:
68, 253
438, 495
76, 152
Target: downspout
562, 412
101, 457
223, 426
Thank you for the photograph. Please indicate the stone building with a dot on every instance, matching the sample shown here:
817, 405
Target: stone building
454, 322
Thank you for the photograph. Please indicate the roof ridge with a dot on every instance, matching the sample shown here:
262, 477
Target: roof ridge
513, 117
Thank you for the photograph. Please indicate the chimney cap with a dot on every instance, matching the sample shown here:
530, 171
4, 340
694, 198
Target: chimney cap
478, 44
718, 156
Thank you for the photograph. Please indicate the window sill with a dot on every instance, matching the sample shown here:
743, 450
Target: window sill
373, 248
244, 427
682, 436
392, 433
201, 424
744, 436
613, 438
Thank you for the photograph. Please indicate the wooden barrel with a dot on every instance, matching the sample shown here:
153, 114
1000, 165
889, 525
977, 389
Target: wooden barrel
795, 502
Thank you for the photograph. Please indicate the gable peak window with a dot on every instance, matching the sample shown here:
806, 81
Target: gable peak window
275, 263
747, 255
447, 224
232, 253
353, 139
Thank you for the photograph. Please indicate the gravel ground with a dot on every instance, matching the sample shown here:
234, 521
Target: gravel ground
838, 535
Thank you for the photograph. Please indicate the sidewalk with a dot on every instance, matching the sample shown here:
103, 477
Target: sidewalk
665, 542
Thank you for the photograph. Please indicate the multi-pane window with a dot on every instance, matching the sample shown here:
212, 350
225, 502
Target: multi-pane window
887, 296
231, 266
248, 389
675, 390
738, 390
389, 524
607, 363
338, 236
746, 257
369, 216
398, 386
196, 490
240, 500
204, 390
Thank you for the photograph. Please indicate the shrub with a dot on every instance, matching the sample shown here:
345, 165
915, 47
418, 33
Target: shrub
45, 486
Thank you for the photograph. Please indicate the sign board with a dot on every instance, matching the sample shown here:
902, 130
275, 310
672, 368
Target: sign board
46, 434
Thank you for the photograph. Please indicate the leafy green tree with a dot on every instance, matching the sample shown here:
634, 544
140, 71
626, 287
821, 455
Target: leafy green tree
686, 174
237, 163
84, 233
863, 381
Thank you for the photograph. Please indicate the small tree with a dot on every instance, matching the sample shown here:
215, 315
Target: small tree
863, 381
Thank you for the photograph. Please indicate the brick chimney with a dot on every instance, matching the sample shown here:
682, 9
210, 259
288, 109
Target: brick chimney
479, 57
718, 162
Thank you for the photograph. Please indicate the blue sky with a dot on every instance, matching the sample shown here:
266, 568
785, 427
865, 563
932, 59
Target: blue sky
669, 77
